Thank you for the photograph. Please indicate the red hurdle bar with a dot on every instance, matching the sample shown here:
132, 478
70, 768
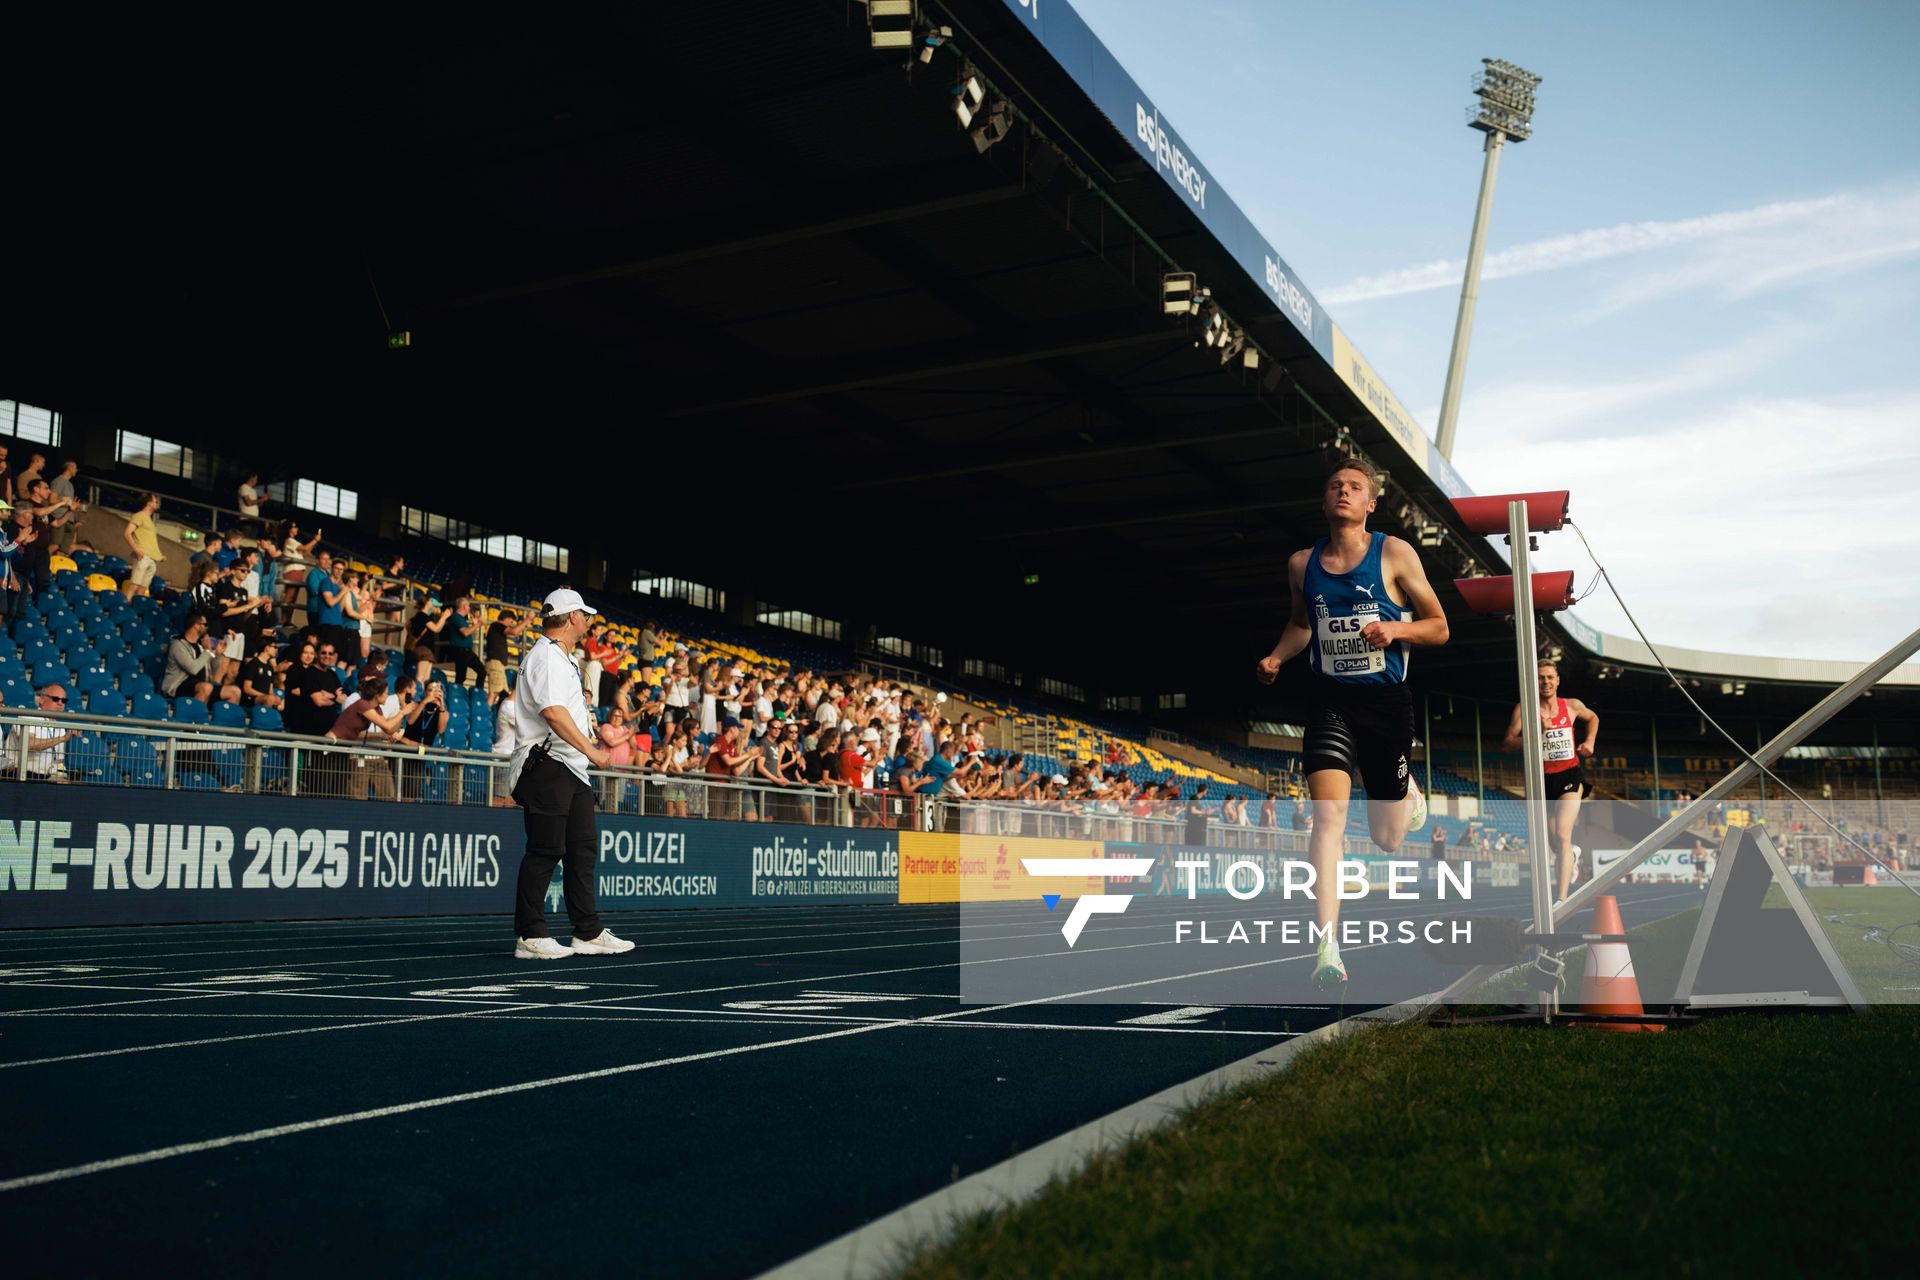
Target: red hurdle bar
1551, 592
1546, 511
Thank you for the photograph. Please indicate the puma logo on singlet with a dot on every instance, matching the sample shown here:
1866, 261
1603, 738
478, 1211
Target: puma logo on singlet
1359, 586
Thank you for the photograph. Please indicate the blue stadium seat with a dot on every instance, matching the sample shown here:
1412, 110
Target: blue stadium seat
229, 763
230, 715
135, 682
88, 757
135, 757
150, 706
267, 719
16, 693
106, 703
187, 710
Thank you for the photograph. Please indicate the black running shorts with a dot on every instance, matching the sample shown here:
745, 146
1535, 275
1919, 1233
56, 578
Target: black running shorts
1559, 784
1363, 728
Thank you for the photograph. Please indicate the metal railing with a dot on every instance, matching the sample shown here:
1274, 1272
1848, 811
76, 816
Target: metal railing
982, 817
123, 752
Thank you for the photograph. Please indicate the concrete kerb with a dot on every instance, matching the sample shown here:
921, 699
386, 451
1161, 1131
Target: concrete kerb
880, 1247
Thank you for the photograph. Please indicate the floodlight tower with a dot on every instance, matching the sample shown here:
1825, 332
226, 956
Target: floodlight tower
1505, 112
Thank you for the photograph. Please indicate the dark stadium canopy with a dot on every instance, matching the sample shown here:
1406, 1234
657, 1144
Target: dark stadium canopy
714, 291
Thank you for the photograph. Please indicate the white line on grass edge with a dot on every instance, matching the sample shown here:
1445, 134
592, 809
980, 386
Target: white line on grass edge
881, 1247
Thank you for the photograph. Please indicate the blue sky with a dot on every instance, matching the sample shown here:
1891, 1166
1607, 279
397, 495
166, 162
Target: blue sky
1702, 301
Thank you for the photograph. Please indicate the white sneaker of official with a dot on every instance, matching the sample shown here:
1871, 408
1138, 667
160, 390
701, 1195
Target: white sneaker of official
539, 949
601, 944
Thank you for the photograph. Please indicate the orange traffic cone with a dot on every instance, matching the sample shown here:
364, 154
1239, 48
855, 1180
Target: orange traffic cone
1609, 985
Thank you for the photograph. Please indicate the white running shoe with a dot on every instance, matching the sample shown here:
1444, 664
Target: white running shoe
1328, 971
1416, 808
539, 949
602, 944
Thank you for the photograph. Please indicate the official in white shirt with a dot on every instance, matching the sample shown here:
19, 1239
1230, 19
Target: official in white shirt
553, 733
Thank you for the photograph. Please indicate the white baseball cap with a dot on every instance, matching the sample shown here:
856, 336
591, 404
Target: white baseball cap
565, 601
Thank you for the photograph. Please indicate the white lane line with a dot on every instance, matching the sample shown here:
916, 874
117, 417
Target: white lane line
257, 1035
405, 1108
378, 1113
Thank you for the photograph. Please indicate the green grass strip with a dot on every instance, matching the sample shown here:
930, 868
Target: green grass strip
1764, 1145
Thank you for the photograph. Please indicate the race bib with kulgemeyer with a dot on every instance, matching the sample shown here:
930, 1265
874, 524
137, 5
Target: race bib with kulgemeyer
1343, 652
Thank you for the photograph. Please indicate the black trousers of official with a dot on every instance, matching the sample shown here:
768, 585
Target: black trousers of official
559, 814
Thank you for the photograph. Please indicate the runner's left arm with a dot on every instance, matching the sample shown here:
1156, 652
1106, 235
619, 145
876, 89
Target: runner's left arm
1429, 627
1583, 714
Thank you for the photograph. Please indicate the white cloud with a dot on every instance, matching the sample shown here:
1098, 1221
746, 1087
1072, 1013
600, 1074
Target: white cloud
1549, 406
1741, 251
1772, 526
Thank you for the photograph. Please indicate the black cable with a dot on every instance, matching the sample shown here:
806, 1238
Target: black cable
1731, 740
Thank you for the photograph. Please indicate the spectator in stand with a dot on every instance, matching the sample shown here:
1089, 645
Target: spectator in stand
207, 554
726, 759
190, 666
258, 678
44, 743
461, 633
67, 522
504, 743
269, 586
1302, 816
295, 556
681, 692
426, 699
1197, 814
424, 628
24, 482
364, 716
249, 503
35, 558
326, 605
625, 692
616, 739
1269, 815
233, 620
853, 777
356, 606
313, 691
649, 642
6, 478
506, 626
16, 535
710, 689
1439, 843
592, 650
938, 769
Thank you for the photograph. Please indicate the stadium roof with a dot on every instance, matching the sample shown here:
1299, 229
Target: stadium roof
724, 293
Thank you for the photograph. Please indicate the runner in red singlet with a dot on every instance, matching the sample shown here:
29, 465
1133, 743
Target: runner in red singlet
1562, 721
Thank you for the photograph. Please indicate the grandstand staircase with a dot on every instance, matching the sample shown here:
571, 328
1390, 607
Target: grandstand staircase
1201, 758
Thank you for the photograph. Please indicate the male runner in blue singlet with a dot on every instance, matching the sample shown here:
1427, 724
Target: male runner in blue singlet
1360, 600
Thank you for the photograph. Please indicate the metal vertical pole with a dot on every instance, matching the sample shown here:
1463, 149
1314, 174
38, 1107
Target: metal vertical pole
1653, 734
1879, 800
1426, 709
1479, 765
1533, 781
1760, 740
1469, 294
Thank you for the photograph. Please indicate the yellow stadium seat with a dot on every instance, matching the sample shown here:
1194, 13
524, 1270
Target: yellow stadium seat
101, 582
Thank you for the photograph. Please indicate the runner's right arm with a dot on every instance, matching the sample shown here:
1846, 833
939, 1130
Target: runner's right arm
1296, 635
